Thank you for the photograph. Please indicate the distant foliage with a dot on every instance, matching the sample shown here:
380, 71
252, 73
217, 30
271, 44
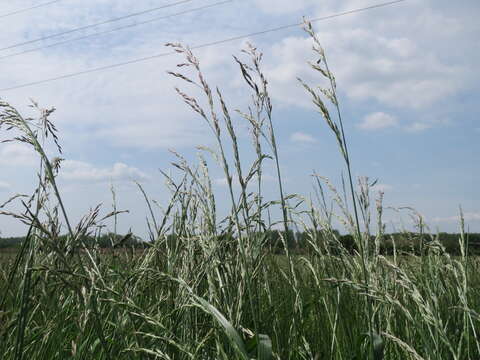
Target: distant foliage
104, 241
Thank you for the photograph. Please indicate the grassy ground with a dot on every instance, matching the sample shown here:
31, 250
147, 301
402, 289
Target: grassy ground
316, 311
214, 290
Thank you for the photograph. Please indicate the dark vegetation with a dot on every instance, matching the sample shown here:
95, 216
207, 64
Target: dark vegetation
106, 241
298, 242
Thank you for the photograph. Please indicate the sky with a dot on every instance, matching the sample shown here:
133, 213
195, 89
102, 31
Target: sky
407, 78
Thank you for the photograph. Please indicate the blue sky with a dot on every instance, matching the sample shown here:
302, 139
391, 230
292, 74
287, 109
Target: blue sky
407, 78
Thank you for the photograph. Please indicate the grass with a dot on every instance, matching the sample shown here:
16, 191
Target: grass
218, 291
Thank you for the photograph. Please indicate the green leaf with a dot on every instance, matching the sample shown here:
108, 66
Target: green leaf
265, 351
378, 346
232, 334
261, 345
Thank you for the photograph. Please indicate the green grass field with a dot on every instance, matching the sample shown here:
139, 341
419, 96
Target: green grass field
212, 288
310, 307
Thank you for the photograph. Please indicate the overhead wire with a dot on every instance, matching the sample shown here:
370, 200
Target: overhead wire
108, 21
117, 29
204, 45
29, 8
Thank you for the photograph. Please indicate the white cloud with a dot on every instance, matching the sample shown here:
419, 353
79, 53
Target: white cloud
17, 154
134, 105
300, 137
4, 186
381, 188
285, 61
394, 58
402, 47
378, 121
468, 216
82, 171
282, 6
418, 127
223, 181
387, 61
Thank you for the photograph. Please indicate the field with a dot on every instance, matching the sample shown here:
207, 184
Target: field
210, 288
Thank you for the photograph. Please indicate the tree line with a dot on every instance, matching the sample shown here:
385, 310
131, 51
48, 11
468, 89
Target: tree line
332, 242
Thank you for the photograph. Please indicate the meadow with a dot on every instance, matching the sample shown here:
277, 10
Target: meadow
208, 287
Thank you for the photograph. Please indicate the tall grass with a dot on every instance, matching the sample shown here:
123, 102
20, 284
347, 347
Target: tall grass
213, 288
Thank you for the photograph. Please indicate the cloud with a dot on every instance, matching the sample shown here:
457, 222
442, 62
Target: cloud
418, 127
468, 216
4, 186
73, 170
284, 62
381, 188
416, 57
17, 154
377, 121
281, 6
135, 105
389, 70
395, 60
300, 137
373, 59
223, 181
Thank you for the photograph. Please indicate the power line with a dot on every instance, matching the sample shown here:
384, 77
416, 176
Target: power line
117, 29
108, 21
28, 9
209, 44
